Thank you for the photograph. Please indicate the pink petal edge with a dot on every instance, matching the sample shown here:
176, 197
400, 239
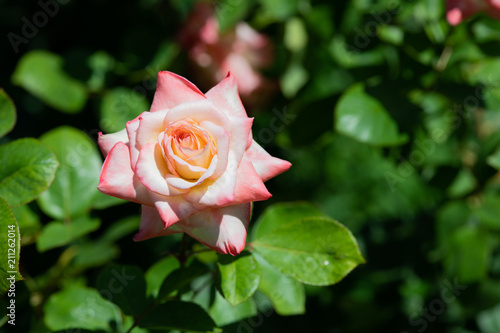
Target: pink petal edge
119, 180
172, 90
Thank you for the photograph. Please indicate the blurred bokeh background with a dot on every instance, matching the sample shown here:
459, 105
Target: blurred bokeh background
389, 115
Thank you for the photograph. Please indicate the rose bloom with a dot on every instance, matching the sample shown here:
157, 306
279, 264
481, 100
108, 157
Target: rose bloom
192, 164
241, 51
459, 10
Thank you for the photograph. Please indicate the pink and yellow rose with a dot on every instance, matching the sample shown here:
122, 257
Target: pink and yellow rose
192, 164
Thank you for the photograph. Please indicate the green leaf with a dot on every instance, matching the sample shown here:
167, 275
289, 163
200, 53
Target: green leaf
75, 187
125, 286
180, 278
103, 201
281, 214
27, 169
489, 320
121, 228
287, 295
120, 105
486, 30
449, 218
224, 313
158, 272
79, 307
41, 73
494, 160
349, 56
464, 183
239, 277
56, 234
489, 212
177, 315
468, 258
363, 118
7, 113
295, 38
390, 34
279, 10
480, 72
10, 247
315, 250
29, 222
94, 254
229, 13
293, 79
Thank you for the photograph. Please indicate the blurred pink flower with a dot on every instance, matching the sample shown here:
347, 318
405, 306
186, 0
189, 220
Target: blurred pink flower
459, 10
241, 50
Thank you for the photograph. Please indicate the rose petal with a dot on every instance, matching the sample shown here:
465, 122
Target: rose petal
150, 127
226, 98
242, 127
223, 141
107, 141
184, 184
152, 170
172, 90
118, 179
266, 165
131, 128
219, 192
198, 111
249, 186
173, 209
181, 167
152, 225
222, 229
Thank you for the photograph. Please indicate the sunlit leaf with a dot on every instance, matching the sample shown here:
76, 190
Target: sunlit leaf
7, 113
56, 234
119, 106
365, 119
41, 73
79, 307
239, 277
314, 250
27, 169
75, 186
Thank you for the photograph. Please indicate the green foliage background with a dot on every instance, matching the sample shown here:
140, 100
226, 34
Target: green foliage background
393, 130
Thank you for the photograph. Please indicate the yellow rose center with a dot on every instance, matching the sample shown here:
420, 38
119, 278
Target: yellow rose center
189, 148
